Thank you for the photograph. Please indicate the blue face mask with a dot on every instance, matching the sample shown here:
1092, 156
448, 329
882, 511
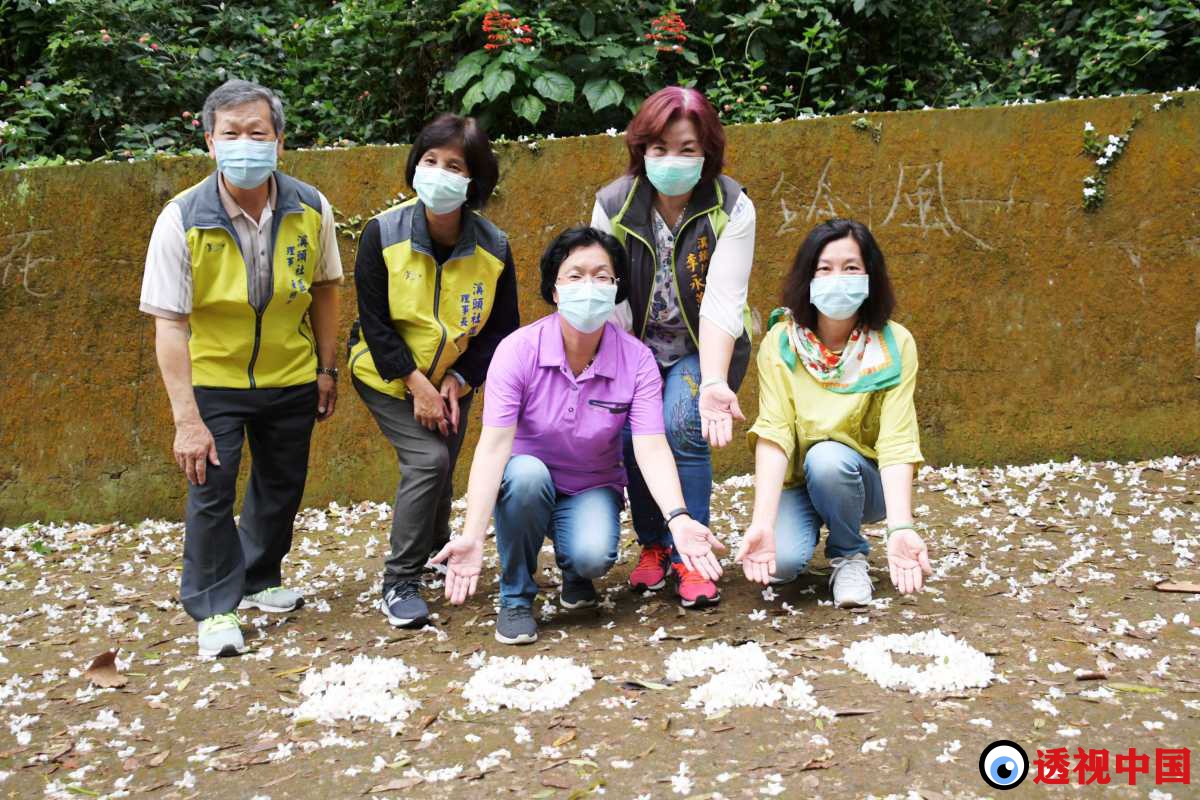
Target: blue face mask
246, 163
586, 306
440, 190
674, 175
839, 296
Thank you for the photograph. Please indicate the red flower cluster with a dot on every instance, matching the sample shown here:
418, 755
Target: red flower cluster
503, 30
668, 28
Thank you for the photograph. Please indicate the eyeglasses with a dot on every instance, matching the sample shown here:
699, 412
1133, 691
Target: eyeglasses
601, 280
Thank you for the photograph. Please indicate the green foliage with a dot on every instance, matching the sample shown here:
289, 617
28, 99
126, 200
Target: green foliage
82, 79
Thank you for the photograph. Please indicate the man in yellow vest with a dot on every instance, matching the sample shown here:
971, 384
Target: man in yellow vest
242, 277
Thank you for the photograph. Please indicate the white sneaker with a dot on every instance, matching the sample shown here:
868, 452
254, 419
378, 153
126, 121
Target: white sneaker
221, 636
276, 600
850, 581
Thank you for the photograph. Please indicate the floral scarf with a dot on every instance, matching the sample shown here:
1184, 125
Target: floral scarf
869, 362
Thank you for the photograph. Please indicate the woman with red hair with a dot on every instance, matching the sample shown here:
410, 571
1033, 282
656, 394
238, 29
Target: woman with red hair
689, 233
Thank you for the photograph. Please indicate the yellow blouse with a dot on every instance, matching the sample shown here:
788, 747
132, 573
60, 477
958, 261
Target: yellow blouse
795, 412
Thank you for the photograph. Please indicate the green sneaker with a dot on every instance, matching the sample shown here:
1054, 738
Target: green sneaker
276, 599
221, 635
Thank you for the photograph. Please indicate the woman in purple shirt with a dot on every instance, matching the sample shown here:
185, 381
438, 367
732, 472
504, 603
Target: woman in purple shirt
549, 458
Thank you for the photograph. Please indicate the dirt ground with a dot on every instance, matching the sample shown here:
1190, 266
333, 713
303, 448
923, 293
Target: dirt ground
1050, 569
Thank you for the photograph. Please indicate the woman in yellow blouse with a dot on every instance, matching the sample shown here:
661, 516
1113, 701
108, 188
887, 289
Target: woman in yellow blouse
836, 440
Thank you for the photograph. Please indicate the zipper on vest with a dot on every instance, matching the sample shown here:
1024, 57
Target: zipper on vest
437, 301
258, 317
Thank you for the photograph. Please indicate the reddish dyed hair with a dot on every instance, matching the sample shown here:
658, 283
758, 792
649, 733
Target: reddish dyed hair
664, 107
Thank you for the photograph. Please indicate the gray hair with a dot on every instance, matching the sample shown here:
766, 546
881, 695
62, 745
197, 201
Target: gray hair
235, 92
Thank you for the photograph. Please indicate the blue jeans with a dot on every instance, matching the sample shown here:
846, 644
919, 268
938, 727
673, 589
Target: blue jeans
842, 489
584, 527
681, 416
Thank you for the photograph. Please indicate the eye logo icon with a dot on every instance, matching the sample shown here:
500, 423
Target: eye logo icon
1003, 765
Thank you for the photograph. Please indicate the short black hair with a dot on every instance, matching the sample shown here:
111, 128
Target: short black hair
876, 310
571, 240
466, 133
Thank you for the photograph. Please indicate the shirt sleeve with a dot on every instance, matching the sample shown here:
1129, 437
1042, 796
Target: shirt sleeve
729, 271
504, 392
600, 220
167, 280
504, 319
899, 439
392, 356
776, 420
646, 410
330, 268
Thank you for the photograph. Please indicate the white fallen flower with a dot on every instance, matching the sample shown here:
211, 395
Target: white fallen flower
539, 684
366, 688
741, 676
956, 665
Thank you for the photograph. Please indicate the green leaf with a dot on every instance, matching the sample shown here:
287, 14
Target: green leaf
205, 54
496, 82
1134, 688
467, 68
691, 58
555, 86
602, 93
587, 24
529, 107
473, 97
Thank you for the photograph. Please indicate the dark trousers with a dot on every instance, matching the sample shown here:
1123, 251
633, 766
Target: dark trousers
421, 514
223, 561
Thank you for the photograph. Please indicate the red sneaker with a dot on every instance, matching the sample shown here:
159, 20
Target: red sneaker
694, 590
651, 570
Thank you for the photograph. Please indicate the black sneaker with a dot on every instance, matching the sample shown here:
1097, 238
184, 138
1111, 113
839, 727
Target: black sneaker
403, 606
515, 625
578, 595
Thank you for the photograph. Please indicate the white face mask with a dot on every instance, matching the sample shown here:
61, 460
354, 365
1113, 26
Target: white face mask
839, 296
586, 306
440, 190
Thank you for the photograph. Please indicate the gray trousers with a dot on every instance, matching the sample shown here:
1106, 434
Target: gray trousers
222, 561
421, 513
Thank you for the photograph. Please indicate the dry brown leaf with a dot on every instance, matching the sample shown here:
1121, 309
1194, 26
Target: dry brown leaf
103, 671
557, 781
1186, 587
566, 737
398, 785
156, 759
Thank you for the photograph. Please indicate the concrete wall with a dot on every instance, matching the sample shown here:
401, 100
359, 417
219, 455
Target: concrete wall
1044, 331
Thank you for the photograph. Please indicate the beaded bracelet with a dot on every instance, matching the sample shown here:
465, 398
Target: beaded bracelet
906, 527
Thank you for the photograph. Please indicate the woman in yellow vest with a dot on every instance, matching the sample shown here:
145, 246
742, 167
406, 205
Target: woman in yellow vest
836, 440
688, 230
437, 291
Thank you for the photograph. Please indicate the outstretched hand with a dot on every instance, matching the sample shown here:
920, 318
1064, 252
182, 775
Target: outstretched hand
757, 553
463, 557
718, 409
695, 544
908, 561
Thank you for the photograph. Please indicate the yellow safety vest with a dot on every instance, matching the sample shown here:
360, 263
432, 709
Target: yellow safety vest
436, 308
233, 344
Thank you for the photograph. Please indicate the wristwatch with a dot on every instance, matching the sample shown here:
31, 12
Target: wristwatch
330, 371
679, 512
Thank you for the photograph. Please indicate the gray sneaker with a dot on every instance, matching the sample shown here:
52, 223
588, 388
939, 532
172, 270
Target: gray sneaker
578, 595
221, 635
515, 625
850, 580
276, 599
403, 606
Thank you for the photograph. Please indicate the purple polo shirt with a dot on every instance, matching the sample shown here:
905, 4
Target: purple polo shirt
573, 425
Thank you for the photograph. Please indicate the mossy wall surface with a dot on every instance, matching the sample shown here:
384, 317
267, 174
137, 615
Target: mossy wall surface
1044, 331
